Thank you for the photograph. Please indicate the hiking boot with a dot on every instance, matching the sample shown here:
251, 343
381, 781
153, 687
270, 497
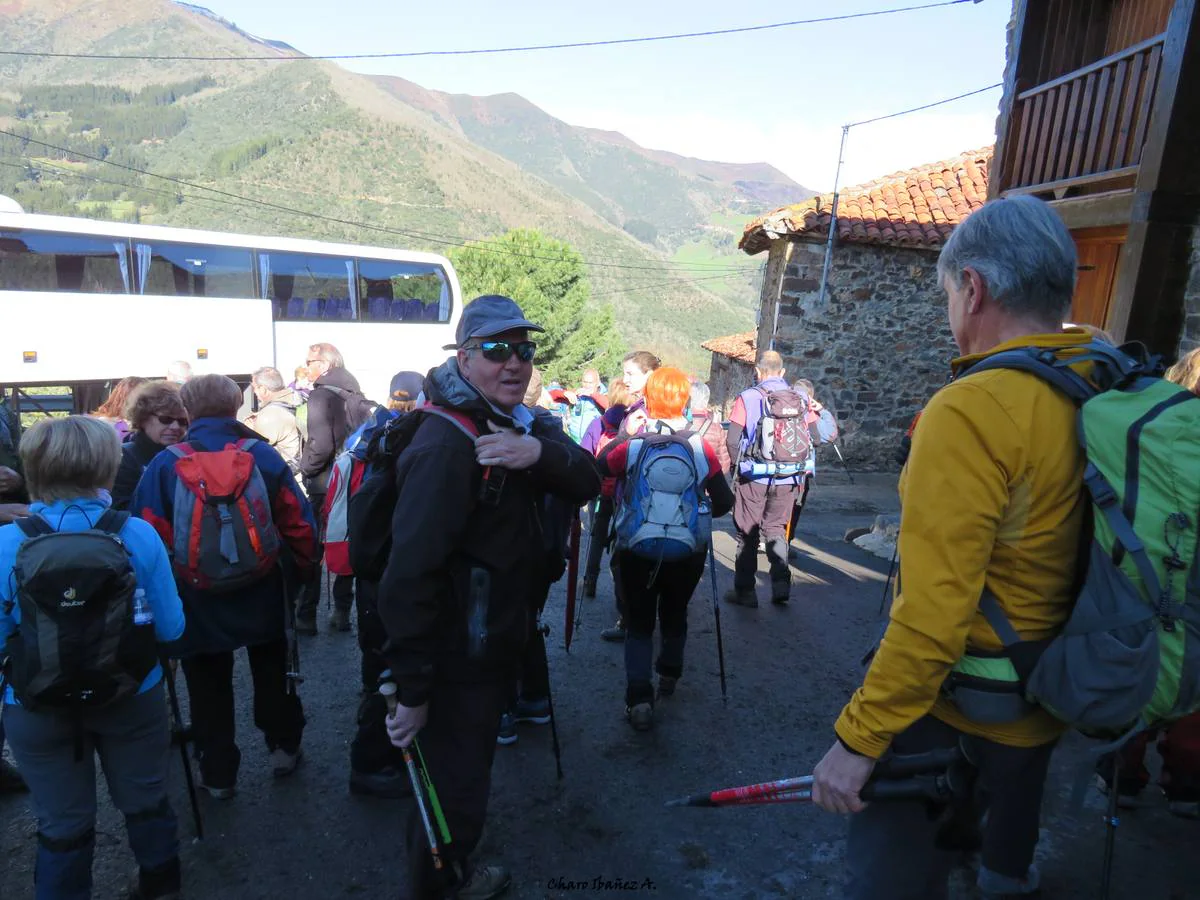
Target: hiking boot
11, 781
616, 634
666, 685
1126, 798
283, 763
388, 783
641, 716
737, 597
589, 588
306, 627
535, 712
339, 619
780, 594
1185, 809
161, 883
218, 793
508, 730
485, 883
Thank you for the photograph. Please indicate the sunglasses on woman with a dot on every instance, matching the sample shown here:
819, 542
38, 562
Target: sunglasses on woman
502, 351
167, 420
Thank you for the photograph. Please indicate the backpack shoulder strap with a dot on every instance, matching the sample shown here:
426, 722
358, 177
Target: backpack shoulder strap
34, 526
246, 444
461, 421
112, 521
695, 442
1046, 366
990, 607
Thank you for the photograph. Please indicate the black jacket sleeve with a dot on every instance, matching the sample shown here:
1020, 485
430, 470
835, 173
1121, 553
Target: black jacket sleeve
720, 494
321, 445
434, 508
565, 469
733, 442
128, 475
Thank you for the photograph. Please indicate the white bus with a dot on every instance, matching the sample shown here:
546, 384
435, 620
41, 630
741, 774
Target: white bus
84, 302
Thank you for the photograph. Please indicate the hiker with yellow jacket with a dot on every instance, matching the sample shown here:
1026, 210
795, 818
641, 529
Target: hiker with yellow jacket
993, 500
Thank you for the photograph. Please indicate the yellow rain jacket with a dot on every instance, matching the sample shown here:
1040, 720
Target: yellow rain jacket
992, 495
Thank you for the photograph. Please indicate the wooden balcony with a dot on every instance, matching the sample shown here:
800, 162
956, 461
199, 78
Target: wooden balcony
1085, 130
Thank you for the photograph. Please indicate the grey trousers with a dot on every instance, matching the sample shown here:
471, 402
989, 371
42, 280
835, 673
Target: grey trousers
132, 740
892, 852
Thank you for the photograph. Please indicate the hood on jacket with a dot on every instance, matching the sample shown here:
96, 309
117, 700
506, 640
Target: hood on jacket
446, 386
338, 378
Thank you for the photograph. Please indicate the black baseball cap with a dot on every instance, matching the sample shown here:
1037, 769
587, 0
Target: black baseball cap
489, 315
407, 385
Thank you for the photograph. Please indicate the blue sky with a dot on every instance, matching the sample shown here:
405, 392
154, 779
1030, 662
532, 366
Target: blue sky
776, 96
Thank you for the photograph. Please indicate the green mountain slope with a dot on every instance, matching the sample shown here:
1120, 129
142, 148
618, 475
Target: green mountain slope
306, 135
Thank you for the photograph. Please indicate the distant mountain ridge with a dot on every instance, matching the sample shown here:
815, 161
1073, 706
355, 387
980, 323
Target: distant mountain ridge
613, 174
431, 169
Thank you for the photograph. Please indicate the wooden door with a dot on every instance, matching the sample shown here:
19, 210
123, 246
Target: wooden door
1099, 251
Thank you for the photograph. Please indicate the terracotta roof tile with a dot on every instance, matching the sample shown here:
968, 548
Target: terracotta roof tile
916, 207
740, 347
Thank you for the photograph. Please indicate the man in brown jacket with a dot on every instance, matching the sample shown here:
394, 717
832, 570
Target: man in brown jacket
276, 416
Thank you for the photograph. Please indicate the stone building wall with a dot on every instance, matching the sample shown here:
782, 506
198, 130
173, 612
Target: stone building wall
726, 379
877, 348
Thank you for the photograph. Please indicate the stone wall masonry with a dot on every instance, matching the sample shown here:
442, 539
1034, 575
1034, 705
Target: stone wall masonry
877, 348
726, 379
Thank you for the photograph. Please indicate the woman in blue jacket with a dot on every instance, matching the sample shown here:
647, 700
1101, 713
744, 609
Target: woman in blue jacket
70, 465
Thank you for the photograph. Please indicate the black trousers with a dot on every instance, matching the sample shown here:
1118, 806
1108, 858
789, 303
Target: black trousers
371, 750
458, 744
655, 592
310, 592
892, 852
535, 668
277, 714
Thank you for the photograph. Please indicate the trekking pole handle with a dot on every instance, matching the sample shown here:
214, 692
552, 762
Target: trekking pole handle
902, 766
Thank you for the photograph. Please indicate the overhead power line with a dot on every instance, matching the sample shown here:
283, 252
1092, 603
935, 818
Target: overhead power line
716, 32
905, 112
216, 202
448, 240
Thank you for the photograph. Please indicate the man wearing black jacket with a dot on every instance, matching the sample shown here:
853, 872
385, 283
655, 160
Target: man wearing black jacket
327, 430
457, 598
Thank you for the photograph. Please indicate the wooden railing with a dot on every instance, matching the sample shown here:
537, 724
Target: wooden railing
1087, 126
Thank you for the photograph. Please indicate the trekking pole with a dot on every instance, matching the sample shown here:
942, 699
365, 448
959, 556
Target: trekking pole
178, 734
933, 773
842, 459
712, 569
1111, 822
387, 690
293, 676
891, 572
544, 631
435, 805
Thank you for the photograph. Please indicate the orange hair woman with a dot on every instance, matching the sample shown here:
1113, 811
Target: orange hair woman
658, 590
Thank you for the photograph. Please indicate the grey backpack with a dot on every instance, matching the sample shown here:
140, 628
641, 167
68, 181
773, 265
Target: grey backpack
77, 646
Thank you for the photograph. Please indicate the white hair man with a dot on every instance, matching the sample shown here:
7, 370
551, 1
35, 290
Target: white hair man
276, 416
993, 502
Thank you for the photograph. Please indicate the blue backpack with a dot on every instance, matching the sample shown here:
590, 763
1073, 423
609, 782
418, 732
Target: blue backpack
661, 513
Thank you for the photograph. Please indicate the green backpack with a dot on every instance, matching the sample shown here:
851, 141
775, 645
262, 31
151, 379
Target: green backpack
1129, 655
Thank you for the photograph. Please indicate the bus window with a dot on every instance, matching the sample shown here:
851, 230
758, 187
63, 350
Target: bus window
43, 261
394, 291
306, 287
194, 270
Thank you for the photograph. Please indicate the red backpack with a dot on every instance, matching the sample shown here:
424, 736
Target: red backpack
345, 479
224, 535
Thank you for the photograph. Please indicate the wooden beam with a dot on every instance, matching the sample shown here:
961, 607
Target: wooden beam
1002, 164
1095, 210
1148, 302
1080, 181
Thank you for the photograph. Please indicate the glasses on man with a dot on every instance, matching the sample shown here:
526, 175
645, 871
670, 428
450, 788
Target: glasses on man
168, 420
502, 351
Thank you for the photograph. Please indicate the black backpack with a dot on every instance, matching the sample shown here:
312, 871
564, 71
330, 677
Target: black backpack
358, 407
77, 646
369, 515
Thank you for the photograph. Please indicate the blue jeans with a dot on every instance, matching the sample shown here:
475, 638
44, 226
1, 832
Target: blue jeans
132, 740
